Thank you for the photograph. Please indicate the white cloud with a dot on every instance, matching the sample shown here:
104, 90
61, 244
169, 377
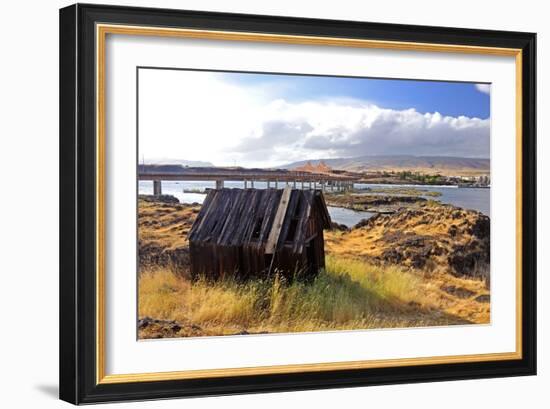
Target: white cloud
484, 88
192, 115
198, 116
313, 130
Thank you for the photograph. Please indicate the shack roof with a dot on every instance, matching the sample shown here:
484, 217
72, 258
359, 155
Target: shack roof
233, 217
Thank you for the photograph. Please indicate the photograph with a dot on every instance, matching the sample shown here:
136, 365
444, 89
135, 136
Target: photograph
290, 203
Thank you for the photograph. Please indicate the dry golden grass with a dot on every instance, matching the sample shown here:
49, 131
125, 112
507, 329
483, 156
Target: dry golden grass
165, 223
350, 294
353, 293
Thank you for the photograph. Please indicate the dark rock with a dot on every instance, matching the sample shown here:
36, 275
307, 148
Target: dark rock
481, 227
245, 332
144, 322
418, 260
338, 226
485, 298
471, 259
457, 291
159, 199
368, 222
414, 241
457, 214
361, 223
437, 250
461, 263
157, 328
453, 230
153, 253
392, 256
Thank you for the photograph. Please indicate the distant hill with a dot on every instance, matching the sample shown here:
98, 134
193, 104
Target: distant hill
446, 165
182, 162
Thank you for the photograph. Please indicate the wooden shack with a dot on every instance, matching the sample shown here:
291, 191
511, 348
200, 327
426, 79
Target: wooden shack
258, 232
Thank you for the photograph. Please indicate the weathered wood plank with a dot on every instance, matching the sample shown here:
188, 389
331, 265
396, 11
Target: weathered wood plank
273, 237
289, 216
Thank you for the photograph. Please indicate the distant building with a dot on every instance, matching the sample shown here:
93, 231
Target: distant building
321, 167
484, 180
257, 232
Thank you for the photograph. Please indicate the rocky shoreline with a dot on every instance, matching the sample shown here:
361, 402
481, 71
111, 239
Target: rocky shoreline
417, 233
430, 237
374, 203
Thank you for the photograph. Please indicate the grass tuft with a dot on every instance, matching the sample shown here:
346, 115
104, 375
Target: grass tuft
348, 294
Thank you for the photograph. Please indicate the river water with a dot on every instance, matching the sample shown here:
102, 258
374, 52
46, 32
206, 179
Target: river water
467, 198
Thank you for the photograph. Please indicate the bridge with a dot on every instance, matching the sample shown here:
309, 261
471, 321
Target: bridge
274, 178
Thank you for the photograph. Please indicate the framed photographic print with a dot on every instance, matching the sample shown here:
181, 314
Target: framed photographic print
258, 203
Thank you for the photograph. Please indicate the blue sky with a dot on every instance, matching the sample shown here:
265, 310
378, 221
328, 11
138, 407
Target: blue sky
270, 120
447, 98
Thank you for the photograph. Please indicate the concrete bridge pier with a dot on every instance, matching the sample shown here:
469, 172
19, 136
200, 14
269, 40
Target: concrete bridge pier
219, 184
268, 184
157, 187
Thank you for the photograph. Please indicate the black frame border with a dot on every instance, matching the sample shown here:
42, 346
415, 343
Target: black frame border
78, 197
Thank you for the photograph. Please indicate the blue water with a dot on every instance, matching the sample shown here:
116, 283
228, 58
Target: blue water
347, 217
467, 198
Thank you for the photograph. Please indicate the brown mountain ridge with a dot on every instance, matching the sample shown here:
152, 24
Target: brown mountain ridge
425, 164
